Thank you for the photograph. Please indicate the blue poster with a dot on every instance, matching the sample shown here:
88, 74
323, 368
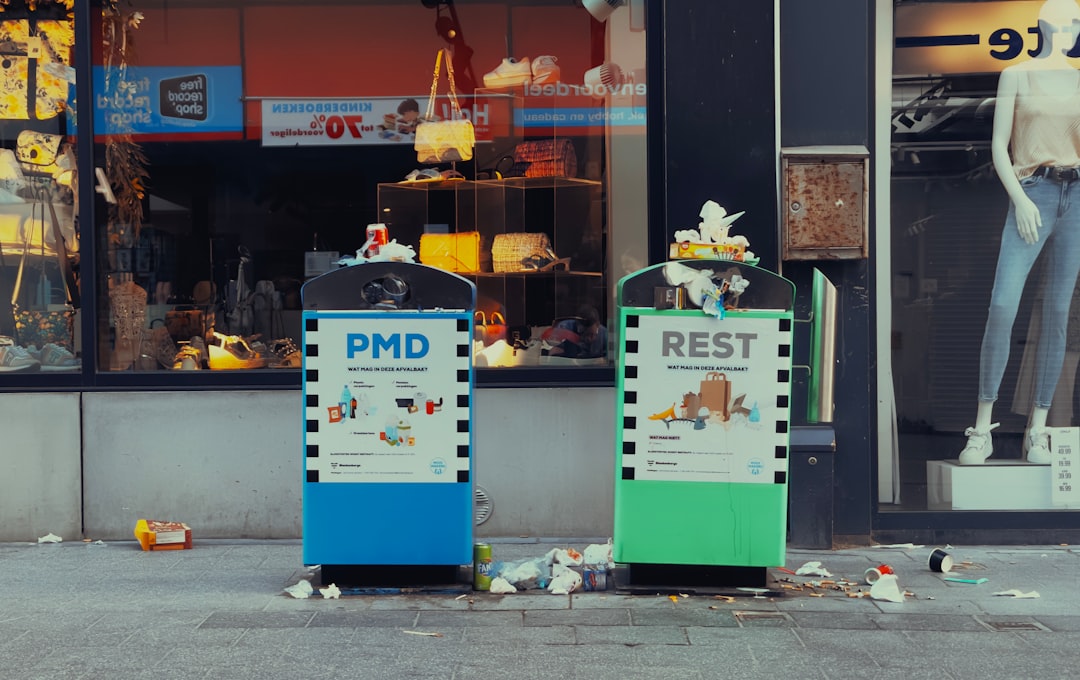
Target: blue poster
154, 100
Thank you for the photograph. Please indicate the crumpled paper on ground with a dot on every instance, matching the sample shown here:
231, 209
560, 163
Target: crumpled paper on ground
887, 588
564, 580
330, 592
301, 590
812, 569
501, 586
49, 538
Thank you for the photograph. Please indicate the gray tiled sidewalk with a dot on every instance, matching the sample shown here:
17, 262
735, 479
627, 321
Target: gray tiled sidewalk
75, 610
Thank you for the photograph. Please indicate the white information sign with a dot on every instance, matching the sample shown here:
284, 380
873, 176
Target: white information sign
706, 399
387, 398
1064, 466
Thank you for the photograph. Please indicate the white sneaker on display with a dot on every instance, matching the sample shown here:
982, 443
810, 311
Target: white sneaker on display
545, 70
510, 73
1037, 447
979, 446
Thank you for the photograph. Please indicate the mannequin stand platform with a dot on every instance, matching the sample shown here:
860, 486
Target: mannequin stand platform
994, 485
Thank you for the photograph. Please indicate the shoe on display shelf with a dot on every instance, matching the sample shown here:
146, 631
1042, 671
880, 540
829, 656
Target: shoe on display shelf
55, 358
233, 352
510, 73
1037, 447
545, 70
979, 446
15, 359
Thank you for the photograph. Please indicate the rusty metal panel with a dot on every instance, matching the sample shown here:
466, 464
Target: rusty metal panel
825, 204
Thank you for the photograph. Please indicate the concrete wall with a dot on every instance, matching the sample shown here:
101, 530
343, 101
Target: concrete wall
40, 490
229, 463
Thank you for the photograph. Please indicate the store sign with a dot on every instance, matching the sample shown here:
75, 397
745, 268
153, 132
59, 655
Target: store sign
353, 122
709, 398
615, 116
966, 37
167, 100
384, 399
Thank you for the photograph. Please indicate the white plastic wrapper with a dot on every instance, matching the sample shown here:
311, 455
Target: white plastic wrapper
598, 555
812, 569
501, 586
564, 581
49, 538
301, 590
526, 575
567, 556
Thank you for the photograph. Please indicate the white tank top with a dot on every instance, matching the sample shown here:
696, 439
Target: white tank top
1046, 127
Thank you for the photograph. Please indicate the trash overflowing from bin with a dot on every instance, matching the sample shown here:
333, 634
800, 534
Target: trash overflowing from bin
560, 571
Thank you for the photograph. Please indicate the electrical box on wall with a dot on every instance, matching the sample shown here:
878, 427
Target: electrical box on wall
824, 202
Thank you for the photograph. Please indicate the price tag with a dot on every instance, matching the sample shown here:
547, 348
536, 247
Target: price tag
1065, 466
33, 47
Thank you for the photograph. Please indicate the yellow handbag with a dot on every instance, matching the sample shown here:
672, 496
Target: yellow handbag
452, 252
442, 141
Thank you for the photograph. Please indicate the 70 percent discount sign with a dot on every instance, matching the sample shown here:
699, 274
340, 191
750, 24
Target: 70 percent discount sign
336, 126
318, 122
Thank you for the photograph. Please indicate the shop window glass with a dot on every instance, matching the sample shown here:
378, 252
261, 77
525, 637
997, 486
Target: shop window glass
984, 248
39, 239
253, 145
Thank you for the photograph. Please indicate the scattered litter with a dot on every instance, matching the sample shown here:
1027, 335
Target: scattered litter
565, 556
726, 598
49, 538
887, 588
500, 586
817, 594
157, 535
301, 590
598, 555
313, 567
898, 546
673, 598
812, 569
1014, 593
420, 632
786, 570
461, 597
873, 574
524, 575
975, 581
97, 542
564, 580
940, 561
330, 592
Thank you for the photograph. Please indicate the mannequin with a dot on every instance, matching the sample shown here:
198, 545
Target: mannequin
1036, 154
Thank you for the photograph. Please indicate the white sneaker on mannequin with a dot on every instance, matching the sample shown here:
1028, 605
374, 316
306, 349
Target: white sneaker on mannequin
1037, 447
979, 446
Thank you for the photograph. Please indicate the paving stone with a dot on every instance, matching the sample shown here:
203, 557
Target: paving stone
364, 619
834, 620
631, 635
578, 617
257, 620
682, 616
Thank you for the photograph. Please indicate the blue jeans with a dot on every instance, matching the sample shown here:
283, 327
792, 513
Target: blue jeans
1060, 232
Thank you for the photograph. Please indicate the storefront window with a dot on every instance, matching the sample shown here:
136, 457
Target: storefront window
985, 250
251, 146
39, 235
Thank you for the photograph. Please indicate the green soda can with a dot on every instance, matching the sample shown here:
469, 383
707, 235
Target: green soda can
482, 566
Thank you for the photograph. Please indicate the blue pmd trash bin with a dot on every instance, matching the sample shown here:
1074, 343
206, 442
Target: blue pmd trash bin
387, 446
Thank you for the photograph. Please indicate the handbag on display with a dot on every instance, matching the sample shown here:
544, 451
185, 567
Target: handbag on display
184, 323
547, 158
39, 327
38, 152
443, 141
489, 328
520, 251
49, 65
458, 252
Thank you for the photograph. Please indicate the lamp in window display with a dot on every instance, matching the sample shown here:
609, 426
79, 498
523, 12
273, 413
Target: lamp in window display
1036, 154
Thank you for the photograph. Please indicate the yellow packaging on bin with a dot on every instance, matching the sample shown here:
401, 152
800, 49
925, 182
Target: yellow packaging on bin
155, 535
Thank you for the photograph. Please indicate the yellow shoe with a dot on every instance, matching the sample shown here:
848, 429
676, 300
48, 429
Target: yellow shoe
232, 352
664, 415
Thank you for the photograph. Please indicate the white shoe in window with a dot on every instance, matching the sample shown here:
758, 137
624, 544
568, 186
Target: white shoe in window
979, 446
510, 73
1037, 447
